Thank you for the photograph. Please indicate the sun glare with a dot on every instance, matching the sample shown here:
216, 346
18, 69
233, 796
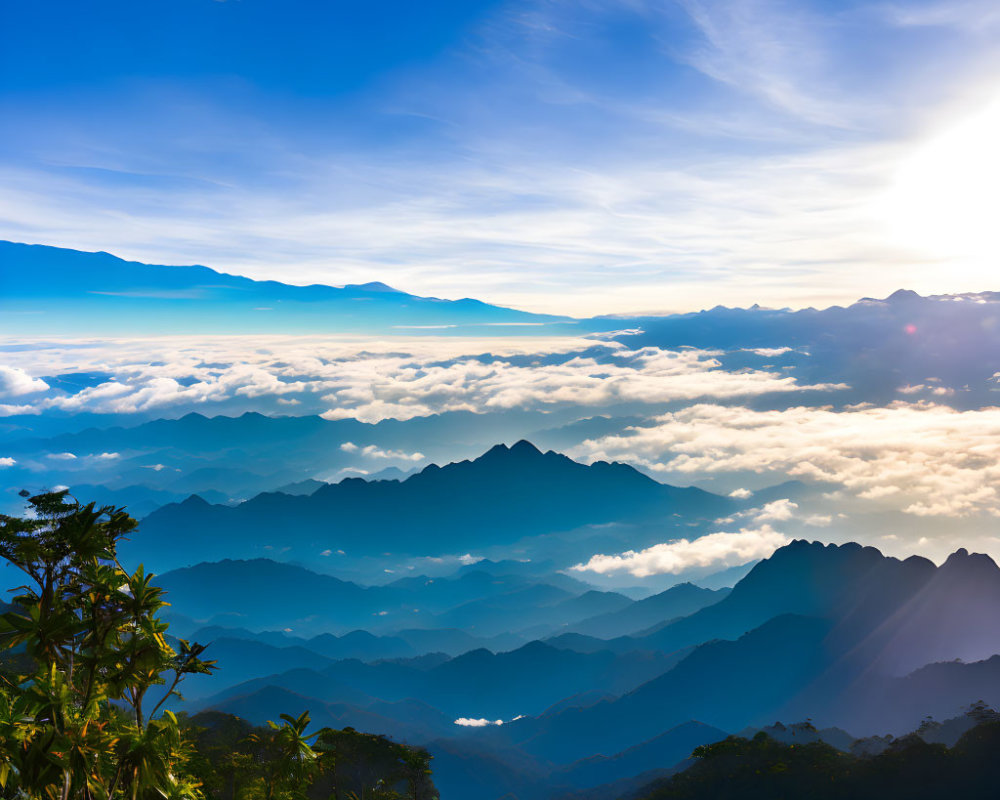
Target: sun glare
944, 201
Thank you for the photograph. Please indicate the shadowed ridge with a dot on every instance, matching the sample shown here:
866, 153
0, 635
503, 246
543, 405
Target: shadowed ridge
962, 562
505, 494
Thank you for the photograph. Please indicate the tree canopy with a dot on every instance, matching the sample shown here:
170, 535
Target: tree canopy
87, 671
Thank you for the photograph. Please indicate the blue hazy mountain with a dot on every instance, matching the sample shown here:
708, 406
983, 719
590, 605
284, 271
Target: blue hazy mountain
223, 457
56, 290
806, 578
477, 684
451, 614
774, 662
875, 346
667, 749
815, 630
440, 510
678, 601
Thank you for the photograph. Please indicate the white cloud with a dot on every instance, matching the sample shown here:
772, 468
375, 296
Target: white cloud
9, 409
62, 456
342, 378
921, 458
468, 722
7, 461
562, 191
371, 451
714, 550
768, 352
741, 494
776, 511
15, 382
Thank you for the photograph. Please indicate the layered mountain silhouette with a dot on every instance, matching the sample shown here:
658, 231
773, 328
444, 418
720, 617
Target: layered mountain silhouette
230, 458
651, 612
477, 684
875, 346
816, 630
842, 634
506, 494
290, 598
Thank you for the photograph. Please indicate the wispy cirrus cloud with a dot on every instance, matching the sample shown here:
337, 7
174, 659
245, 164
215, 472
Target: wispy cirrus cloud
631, 155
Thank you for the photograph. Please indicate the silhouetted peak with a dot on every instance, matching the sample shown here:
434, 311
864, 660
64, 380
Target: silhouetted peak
903, 296
195, 501
802, 557
535, 648
921, 562
519, 451
798, 546
525, 447
964, 562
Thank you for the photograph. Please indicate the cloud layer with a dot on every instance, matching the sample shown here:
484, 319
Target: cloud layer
921, 458
400, 379
15, 382
714, 551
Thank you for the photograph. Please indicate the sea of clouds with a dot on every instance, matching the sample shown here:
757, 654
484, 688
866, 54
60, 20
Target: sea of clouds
686, 419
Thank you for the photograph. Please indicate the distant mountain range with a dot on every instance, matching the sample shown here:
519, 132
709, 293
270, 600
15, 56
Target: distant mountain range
815, 630
222, 458
507, 494
841, 634
56, 290
946, 348
293, 598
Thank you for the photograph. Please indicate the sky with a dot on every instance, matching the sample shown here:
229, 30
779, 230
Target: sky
570, 157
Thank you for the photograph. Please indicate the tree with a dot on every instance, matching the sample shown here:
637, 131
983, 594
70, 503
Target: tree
84, 722
287, 763
86, 670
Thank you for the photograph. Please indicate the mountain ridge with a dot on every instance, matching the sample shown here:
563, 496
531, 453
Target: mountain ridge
103, 290
430, 513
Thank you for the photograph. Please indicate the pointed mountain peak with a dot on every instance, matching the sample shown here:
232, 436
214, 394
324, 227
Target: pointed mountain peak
518, 451
903, 296
965, 562
524, 447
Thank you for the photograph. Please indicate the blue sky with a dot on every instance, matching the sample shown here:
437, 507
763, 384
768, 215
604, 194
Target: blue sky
574, 157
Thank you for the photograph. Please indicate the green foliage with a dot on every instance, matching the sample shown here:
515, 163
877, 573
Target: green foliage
235, 760
764, 769
86, 669
370, 767
74, 723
